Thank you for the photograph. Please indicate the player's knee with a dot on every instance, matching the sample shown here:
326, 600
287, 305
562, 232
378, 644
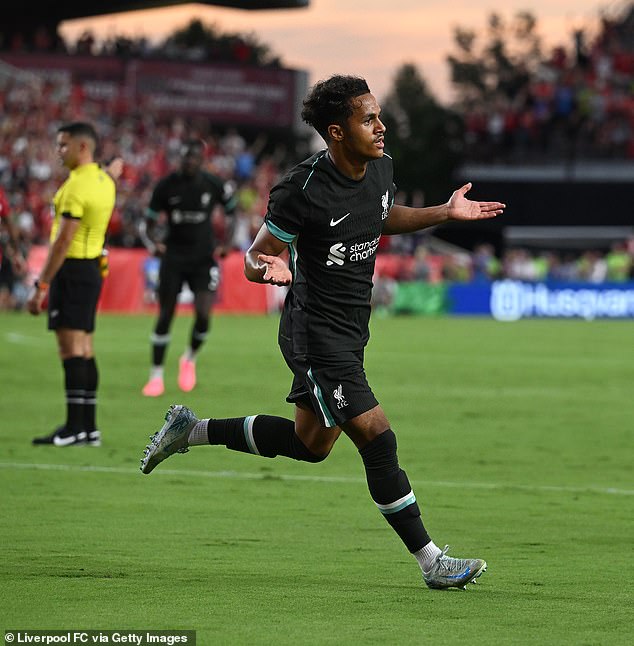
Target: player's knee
309, 456
379, 456
312, 454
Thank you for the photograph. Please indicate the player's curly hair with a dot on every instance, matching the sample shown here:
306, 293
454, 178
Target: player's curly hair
329, 101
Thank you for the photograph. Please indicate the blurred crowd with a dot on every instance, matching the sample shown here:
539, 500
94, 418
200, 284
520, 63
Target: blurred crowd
595, 91
577, 105
196, 42
614, 265
30, 171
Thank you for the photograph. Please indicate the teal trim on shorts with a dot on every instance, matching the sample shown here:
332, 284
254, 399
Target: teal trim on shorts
328, 418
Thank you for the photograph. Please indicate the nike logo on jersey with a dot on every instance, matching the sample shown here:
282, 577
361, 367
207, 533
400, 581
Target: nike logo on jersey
334, 223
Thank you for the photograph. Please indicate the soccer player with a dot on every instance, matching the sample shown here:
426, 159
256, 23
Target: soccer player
188, 198
72, 277
330, 212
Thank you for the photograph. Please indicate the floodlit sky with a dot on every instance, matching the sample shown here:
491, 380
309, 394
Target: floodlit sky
371, 38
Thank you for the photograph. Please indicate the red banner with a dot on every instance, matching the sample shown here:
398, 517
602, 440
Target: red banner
129, 286
227, 94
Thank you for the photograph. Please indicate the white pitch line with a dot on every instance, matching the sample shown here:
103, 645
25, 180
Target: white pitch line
243, 475
22, 339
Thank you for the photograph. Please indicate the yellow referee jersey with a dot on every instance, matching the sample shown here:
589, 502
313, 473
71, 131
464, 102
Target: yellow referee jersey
87, 195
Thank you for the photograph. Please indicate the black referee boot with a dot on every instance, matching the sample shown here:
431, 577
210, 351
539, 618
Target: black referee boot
61, 437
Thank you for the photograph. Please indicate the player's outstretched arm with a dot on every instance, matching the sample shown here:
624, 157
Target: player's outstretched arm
403, 219
262, 263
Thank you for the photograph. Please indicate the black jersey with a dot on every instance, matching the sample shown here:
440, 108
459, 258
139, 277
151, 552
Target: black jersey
188, 202
333, 225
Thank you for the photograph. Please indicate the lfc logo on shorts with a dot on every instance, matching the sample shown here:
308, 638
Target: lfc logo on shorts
338, 395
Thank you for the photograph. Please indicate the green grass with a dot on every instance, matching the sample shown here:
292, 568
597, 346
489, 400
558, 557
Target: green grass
517, 439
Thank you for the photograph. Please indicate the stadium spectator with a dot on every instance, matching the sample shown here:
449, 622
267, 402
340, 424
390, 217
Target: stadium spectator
457, 268
518, 265
592, 267
420, 267
83, 206
486, 266
618, 263
187, 198
330, 212
565, 268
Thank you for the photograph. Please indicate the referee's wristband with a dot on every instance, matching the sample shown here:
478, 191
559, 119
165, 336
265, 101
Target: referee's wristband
40, 285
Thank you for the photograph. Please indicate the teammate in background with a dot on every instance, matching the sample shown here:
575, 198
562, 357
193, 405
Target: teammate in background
188, 198
83, 206
330, 212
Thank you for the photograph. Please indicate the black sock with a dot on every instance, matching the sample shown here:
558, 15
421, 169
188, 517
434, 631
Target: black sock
90, 400
75, 385
263, 435
160, 341
198, 334
391, 491
158, 353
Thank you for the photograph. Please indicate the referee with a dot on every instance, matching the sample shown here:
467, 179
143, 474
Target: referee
72, 277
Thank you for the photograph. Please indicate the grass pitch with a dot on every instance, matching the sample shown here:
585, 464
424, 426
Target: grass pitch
517, 439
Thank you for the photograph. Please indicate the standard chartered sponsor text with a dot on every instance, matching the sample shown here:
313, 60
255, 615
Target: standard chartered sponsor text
363, 250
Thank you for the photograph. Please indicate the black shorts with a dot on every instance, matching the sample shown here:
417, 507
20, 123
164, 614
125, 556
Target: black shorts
199, 275
333, 386
7, 276
74, 294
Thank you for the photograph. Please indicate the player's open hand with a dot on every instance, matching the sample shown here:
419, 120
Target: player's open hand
461, 208
276, 271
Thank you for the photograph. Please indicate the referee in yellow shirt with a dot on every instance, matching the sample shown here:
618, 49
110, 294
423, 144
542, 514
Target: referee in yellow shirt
71, 274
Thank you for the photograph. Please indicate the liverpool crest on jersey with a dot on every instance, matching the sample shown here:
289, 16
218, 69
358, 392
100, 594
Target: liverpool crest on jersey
385, 203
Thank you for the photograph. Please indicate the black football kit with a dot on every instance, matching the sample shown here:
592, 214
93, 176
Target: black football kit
332, 225
188, 203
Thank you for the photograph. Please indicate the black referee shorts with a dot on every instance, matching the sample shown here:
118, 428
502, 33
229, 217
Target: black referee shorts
333, 386
74, 294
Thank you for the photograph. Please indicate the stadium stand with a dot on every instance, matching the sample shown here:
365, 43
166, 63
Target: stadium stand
591, 94
579, 104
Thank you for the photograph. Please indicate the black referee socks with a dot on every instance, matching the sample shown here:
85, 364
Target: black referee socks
75, 386
90, 399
